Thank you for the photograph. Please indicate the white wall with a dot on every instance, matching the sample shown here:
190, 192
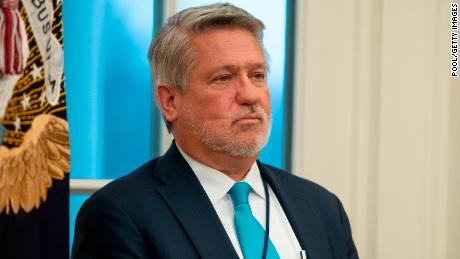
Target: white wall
377, 121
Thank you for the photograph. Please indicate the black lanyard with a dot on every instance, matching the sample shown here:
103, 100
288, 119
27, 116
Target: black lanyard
267, 217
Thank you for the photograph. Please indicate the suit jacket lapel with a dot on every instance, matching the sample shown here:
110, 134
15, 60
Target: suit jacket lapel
189, 202
301, 213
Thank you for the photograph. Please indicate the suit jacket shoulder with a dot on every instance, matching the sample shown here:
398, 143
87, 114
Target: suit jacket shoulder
316, 215
108, 223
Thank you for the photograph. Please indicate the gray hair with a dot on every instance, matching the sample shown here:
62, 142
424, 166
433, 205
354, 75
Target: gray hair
171, 54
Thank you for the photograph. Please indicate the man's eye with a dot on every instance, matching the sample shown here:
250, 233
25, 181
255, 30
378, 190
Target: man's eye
222, 78
259, 76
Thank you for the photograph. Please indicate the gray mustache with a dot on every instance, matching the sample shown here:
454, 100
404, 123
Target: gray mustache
253, 111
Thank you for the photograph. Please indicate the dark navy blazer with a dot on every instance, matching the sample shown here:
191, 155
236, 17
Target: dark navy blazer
162, 211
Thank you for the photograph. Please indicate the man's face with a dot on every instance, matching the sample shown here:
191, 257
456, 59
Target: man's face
226, 107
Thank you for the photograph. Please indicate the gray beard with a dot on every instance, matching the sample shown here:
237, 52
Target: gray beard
231, 144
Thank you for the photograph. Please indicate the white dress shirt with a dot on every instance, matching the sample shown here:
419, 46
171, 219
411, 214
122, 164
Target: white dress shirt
217, 185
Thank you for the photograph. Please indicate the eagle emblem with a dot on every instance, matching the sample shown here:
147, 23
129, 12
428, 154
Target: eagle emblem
34, 134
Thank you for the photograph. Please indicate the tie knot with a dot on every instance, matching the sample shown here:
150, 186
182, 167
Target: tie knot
239, 193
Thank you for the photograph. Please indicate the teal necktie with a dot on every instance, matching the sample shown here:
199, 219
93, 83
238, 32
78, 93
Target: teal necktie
248, 230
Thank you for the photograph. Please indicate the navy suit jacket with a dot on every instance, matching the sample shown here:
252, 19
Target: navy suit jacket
162, 211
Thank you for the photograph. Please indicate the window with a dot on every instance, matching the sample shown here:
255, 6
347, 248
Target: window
108, 88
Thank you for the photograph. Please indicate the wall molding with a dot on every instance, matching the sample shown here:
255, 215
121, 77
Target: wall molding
86, 186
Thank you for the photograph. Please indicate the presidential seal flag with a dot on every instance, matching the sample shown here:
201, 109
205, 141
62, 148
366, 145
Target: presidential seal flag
34, 135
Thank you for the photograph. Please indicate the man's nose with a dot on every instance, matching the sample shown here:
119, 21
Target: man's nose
247, 92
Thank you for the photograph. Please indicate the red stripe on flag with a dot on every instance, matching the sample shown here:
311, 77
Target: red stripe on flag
8, 39
16, 44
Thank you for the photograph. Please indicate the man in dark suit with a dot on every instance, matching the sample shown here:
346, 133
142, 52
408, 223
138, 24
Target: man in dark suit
208, 196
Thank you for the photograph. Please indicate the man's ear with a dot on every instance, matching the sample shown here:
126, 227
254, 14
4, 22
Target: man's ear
166, 97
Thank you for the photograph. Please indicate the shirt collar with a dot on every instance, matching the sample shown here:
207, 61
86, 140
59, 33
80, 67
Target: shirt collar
217, 184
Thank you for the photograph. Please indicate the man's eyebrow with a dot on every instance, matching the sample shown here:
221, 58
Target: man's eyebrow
233, 67
258, 65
